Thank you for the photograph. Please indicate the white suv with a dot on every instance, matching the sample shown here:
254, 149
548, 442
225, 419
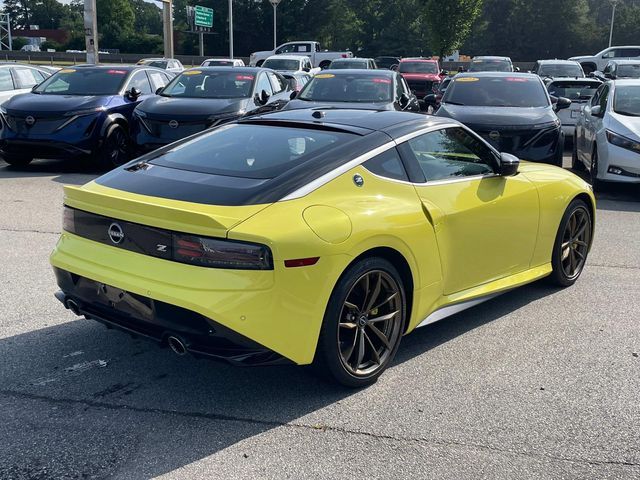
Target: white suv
598, 61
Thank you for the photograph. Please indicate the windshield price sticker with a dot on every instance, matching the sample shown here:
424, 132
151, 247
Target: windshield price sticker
516, 79
116, 72
325, 75
381, 80
244, 77
467, 79
192, 72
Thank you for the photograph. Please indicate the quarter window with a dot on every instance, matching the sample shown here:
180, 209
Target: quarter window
451, 153
388, 165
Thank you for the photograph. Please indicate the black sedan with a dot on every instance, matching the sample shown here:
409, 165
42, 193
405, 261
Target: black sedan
356, 89
512, 111
204, 97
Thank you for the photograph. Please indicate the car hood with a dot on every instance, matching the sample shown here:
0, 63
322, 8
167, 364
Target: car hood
34, 103
300, 104
434, 77
174, 107
498, 116
624, 125
581, 57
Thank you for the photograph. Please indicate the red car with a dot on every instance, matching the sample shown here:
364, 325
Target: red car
421, 74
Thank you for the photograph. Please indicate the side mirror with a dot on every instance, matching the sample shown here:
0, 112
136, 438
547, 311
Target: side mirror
430, 99
133, 94
562, 103
508, 165
159, 90
306, 69
516, 69
293, 95
394, 68
597, 111
263, 97
444, 73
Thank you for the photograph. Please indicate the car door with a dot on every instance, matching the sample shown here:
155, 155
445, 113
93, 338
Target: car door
486, 225
592, 123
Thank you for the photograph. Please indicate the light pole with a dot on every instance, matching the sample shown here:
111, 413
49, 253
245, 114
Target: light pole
275, 7
613, 15
230, 28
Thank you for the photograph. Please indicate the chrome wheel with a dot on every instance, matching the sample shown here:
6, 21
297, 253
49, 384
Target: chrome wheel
370, 323
575, 243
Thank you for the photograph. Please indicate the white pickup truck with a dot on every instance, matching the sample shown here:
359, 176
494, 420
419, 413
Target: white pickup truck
597, 62
319, 58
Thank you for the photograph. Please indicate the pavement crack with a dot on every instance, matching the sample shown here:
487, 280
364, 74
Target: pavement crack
604, 265
19, 230
314, 427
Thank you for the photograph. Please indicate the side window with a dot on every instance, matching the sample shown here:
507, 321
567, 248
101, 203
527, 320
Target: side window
264, 84
609, 54
287, 48
140, 81
158, 80
388, 165
628, 52
596, 97
26, 77
451, 153
302, 48
277, 85
6, 82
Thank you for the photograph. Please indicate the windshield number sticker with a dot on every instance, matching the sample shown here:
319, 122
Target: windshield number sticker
244, 77
116, 72
192, 72
325, 75
67, 70
467, 79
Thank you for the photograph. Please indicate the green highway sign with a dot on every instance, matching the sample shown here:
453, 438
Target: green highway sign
203, 16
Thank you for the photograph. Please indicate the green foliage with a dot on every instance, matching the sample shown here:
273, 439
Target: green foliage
50, 45
449, 23
18, 42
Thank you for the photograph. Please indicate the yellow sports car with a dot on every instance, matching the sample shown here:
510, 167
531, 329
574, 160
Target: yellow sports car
315, 236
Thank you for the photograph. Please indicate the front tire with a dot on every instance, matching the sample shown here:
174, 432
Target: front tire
363, 324
593, 170
115, 148
572, 244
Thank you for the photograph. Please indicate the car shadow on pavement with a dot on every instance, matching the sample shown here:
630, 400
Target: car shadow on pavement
66, 171
79, 398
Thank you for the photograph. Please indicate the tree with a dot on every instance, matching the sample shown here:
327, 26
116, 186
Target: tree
449, 23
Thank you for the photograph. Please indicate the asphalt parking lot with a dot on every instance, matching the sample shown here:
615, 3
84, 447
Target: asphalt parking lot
537, 383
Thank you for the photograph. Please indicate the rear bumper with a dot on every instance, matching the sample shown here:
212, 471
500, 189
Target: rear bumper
158, 321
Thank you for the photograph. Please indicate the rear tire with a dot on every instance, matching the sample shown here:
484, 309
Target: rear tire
115, 148
573, 241
363, 324
17, 161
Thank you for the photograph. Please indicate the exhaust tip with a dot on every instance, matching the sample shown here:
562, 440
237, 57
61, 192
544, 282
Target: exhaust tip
72, 305
176, 345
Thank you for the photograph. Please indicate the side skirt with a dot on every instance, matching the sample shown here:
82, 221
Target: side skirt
460, 301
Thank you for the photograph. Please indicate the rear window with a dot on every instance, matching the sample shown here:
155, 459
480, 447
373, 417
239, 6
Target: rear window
158, 64
250, 151
281, 64
345, 64
566, 70
202, 84
84, 81
327, 87
218, 63
501, 91
575, 91
628, 71
417, 67
484, 65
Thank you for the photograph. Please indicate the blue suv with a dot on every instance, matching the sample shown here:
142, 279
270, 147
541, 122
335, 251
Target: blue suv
82, 111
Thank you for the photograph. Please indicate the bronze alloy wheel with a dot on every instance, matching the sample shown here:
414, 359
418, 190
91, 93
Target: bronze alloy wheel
575, 242
370, 323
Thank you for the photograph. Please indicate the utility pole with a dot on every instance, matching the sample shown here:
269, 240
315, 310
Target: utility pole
91, 31
613, 16
275, 8
167, 22
230, 28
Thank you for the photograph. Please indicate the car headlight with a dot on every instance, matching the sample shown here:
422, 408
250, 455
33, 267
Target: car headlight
622, 142
86, 111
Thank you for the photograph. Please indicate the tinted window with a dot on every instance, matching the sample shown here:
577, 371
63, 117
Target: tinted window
84, 81
626, 52
250, 151
387, 164
140, 81
562, 70
626, 100
6, 82
158, 64
277, 83
490, 66
451, 153
418, 67
200, 84
576, 91
513, 91
628, 71
328, 87
281, 64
